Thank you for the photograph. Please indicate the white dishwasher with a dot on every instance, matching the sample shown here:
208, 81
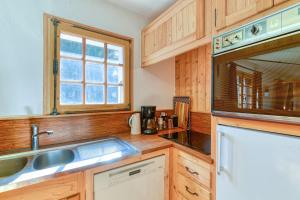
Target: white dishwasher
139, 181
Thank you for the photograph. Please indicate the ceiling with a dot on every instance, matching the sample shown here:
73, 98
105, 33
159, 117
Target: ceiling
146, 8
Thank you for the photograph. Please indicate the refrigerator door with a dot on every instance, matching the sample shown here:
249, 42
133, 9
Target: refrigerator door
256, 165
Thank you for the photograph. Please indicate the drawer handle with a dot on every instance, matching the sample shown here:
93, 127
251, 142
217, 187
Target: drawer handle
191, 172
192, 193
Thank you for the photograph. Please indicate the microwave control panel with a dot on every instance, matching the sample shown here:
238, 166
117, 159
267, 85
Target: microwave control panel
232, 38
279, 23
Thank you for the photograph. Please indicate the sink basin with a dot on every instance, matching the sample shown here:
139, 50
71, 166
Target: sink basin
53, 158
12, 166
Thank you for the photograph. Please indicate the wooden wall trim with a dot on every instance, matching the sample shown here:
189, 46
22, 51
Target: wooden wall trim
201, 122
16, 133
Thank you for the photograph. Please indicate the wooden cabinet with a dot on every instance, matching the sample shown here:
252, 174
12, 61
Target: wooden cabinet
229, 12
191, 177
68, 187
193, 77
174, 31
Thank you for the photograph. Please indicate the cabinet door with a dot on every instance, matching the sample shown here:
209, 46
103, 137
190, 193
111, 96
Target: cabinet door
149, 43
228, 12
157, 39
184, 22
168, 35
65, 187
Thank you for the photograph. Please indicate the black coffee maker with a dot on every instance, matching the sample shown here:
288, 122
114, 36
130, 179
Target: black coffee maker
148, 120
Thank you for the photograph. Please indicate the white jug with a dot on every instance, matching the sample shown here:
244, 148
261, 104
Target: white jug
135, 123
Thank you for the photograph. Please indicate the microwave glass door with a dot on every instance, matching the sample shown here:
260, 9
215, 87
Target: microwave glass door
261, 79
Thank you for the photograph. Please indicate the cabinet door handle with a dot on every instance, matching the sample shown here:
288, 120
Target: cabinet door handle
189, 191
191, 172
215, 17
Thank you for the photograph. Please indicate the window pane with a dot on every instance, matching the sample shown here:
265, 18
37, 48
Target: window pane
94, 94
115, 54
70, 46
70, 70
115, 94
115, 74
70, 93
94, 72
94, 50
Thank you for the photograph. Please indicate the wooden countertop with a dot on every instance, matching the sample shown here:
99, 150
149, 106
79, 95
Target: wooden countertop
149, 143
144, 144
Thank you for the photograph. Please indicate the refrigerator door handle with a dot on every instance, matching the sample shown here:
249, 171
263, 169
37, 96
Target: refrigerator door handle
219, 147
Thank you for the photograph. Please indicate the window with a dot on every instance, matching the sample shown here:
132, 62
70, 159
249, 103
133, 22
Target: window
244, 90
93, 69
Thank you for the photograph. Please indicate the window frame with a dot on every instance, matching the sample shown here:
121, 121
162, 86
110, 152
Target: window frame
244, 76
76, 29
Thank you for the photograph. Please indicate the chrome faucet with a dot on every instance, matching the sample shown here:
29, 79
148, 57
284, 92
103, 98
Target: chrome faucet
35, 136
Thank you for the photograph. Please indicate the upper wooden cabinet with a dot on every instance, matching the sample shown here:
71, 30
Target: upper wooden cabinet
175, 31
229, 12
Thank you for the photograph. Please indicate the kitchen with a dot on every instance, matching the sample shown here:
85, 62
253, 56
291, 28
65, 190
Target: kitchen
186, 99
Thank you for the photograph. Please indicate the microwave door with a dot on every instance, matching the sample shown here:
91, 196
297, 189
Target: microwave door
259, 79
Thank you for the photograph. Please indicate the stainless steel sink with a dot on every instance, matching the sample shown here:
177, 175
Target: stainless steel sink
19, 167
12, 166
53, 158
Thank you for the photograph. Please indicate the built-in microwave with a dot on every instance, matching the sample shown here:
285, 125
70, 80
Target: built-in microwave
256, 69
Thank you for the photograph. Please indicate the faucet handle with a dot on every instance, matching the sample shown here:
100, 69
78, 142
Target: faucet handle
35, 131
47, 132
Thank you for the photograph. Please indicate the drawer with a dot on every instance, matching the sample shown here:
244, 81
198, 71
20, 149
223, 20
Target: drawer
193, 168
190, 190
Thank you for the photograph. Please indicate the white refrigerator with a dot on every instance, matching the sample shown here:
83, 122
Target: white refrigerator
256, 165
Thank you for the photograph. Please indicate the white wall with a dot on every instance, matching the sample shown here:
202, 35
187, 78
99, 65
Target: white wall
21, 51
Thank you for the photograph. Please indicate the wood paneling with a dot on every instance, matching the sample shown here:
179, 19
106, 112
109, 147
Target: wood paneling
65, 187
16, 133
193, 77
201, 122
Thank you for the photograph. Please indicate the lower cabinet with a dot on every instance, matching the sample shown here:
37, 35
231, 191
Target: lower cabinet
190, 180
191, 177
67, 187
